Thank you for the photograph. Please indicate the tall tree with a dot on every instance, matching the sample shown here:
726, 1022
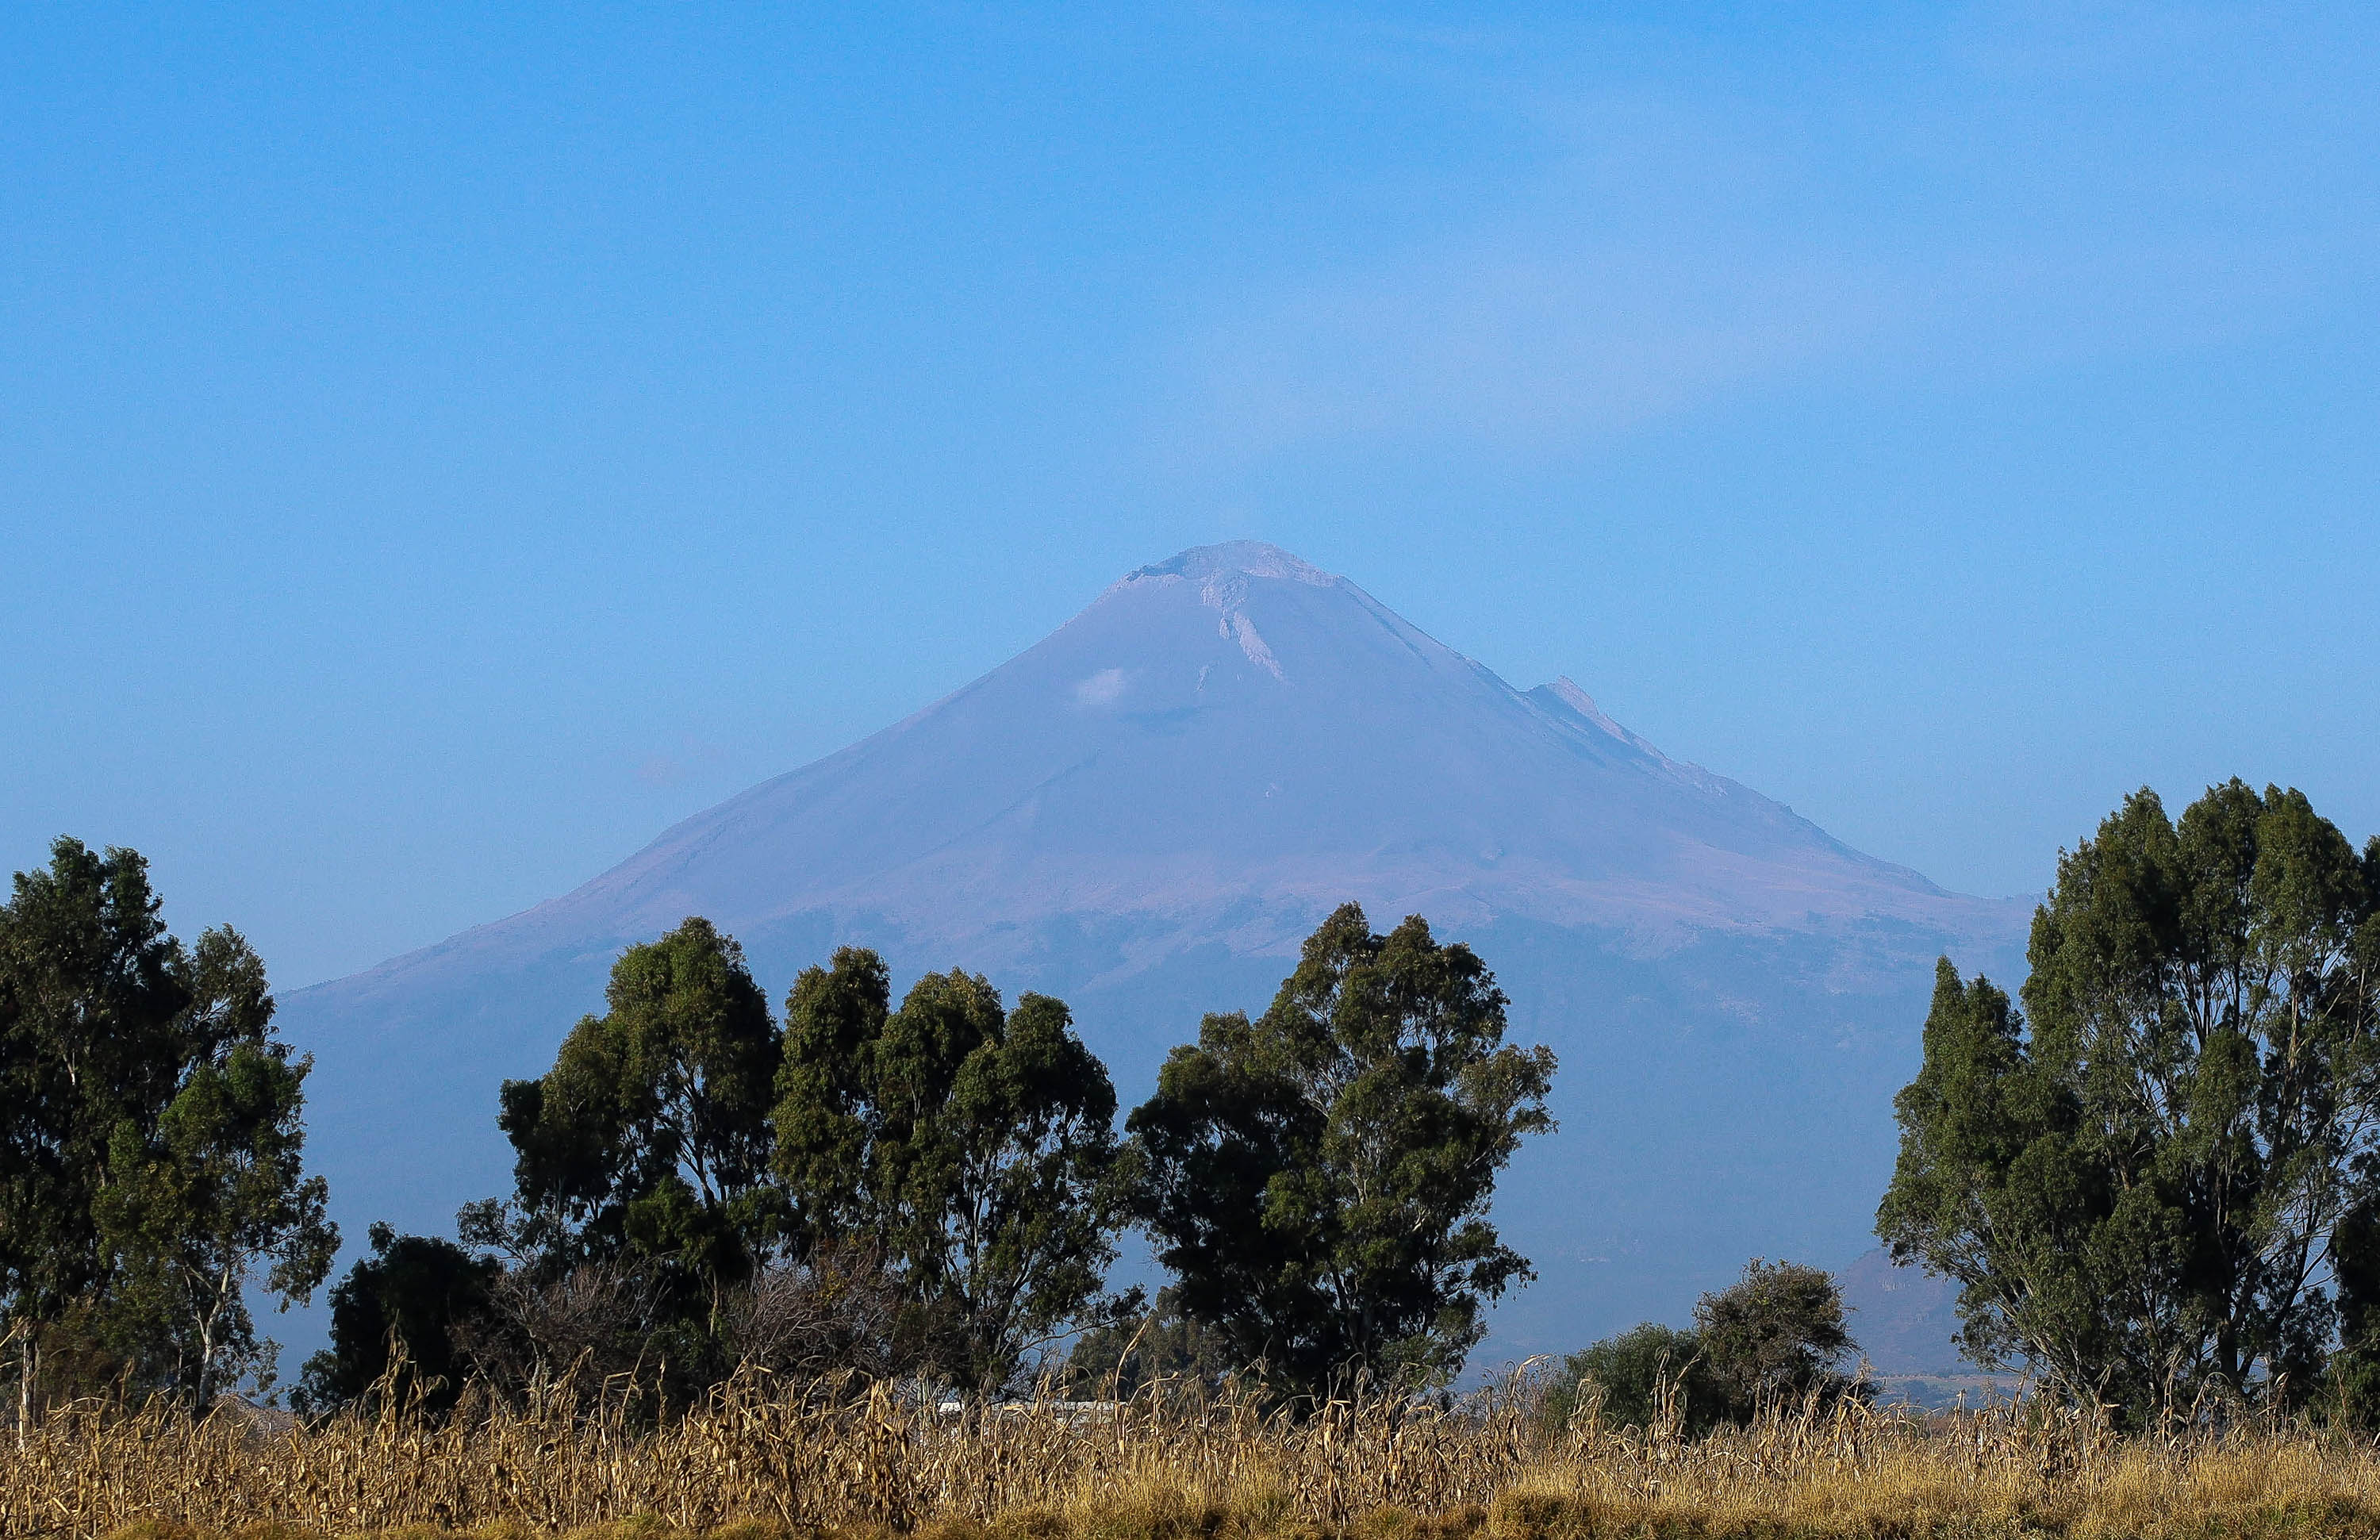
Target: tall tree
214, 1193
650, 1137
150, 1144
976, 1144
2146, 1190
89, 987
1318, 1179
826, 1121
1026, 1149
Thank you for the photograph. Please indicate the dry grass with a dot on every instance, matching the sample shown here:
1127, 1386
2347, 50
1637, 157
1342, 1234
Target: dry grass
761, 1460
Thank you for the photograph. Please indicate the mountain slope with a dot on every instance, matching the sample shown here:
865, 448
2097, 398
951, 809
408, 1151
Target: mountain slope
1146, 811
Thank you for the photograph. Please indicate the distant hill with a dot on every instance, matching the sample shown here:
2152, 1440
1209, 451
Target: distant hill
1905, 1322
1146, 811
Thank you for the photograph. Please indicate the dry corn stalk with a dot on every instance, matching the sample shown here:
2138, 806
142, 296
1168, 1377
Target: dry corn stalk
835, 1455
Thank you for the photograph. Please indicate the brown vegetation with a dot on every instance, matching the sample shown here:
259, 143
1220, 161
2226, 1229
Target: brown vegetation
760, 1459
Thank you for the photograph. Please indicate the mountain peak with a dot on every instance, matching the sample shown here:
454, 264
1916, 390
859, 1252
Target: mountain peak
1211, 565
1223, 574
1565, 689
1147, 810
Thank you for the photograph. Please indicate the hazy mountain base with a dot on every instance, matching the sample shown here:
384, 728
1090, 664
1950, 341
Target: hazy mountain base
1143, 813
1722, 1100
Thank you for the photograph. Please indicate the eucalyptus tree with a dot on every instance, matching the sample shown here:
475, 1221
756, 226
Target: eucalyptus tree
973, 1144
2152, 1181
212, 1193
648, 1139
1318, 1177
90, 987
152, 1140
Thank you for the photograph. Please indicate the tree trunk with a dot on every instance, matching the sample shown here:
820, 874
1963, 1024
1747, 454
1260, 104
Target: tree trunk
25, 1372
210, 1320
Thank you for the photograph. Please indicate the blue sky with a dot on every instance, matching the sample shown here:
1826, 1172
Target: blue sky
439, 449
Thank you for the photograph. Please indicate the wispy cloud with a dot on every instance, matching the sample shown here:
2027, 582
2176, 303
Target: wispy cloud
1689, 244
1524, 347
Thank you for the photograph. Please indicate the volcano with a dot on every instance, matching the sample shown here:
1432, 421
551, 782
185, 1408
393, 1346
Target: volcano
1147, 811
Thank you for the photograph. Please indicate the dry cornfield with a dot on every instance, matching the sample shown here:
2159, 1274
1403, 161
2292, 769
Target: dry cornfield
762, 1458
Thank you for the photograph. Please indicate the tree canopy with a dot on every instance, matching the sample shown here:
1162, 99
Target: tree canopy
1318, 1177
92, 990
976, 1143
955, 1155
650, 1134
2147, 1184
152, 1140
399, 1307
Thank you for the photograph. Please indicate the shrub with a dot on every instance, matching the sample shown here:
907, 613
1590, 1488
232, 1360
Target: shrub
1638, 1375
1776, 1334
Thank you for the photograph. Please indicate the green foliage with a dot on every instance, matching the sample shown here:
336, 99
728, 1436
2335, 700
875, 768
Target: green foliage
151, 1136
1776, 1335
650, 1137
1318, 1177
1638, 1377
827, 1124
216, 1190
976, 1146
406, 1299
1117, 1358
92, 990
955, 1148
2142, 1193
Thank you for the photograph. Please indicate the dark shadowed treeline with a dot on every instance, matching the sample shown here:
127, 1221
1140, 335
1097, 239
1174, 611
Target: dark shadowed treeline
150, 1144
2157, 1185
928, 1190
935, 1188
